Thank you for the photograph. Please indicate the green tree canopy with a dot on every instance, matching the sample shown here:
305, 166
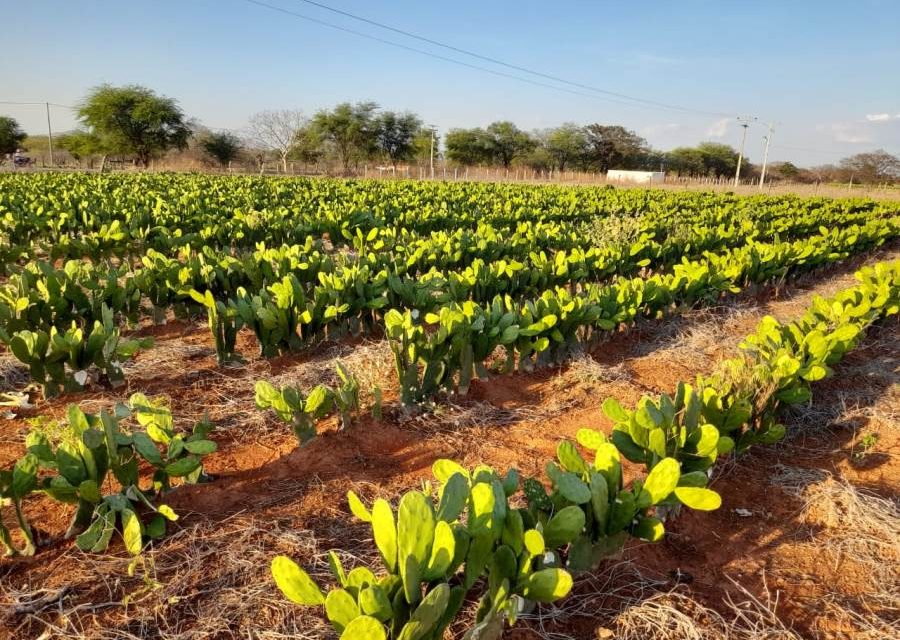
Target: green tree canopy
11, 135
707, 158
686, 161
539, 159
614, 147
721, 159
467, 146
350, 129
307, 146
504, 141
786, 170
81, 144
133, 120
395, 134
566, 145
223, 146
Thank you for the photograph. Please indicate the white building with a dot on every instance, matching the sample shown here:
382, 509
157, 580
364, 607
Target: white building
635, 177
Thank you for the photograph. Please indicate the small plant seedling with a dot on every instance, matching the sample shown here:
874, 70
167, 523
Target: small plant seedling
866, 444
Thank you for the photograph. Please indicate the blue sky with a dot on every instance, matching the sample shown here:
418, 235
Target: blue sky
827, 71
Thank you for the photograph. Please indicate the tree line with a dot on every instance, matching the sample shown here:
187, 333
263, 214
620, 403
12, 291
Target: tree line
136, 123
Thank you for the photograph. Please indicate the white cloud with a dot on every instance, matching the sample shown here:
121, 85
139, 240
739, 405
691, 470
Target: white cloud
719, 128
882, 117
849, 132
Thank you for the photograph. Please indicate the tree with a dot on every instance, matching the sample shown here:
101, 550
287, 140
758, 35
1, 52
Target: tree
467, 146
277, 131
614, 147
539, 159
308, 145
505, 141
721, 159
395, 134
222, 146
11, 135
350, 129
566, 145
81, 144
133, 120
785, 170
707, 158
424, 144
874, 166
686, 161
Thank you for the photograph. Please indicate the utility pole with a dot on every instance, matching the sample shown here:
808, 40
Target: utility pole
433, 130
49, 133
768, 139
745, 122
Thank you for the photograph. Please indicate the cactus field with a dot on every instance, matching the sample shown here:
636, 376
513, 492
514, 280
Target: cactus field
239, 407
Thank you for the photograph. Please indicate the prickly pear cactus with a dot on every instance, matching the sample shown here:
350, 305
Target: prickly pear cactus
435, 549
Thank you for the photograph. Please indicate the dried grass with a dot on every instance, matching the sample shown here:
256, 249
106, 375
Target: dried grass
587, 370
852, 527
675, 615
634, 606
207, 580
371, 362
13, 374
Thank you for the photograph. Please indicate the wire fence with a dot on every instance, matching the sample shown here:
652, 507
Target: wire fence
443, 171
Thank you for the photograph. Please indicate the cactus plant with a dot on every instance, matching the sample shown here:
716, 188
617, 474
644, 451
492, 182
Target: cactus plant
589, 514
224, 323
290, 405
65, 361
91, 446
434, 551
670, 427
15, 484
346, 395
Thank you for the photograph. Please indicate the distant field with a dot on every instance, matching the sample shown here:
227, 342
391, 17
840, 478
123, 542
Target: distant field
527, 176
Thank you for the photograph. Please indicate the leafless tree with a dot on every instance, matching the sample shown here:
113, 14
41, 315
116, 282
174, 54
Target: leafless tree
277, 131
871, 167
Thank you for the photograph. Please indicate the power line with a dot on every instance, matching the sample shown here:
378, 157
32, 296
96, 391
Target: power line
431, 54
39, 104
834, 153
508, 65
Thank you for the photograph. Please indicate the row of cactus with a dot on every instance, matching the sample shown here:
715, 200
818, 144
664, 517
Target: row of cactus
295, 295
445, 350
82, 216
444, 540
737, 406
41, 295
544, 330
67, 361
73, 467
780, 361
435, 549
303, 411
